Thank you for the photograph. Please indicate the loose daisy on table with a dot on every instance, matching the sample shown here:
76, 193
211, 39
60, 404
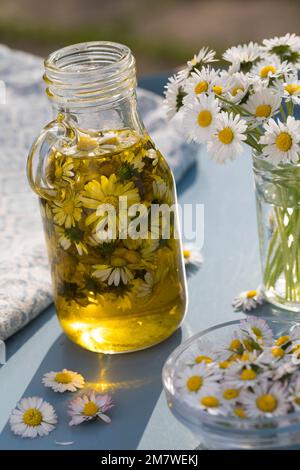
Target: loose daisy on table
200, 118
248, 300
32, 417
281, 141
266, 400
228, 136
90, 406
63, 381
192, 255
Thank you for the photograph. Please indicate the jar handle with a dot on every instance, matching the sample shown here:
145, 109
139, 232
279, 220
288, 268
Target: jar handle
51, 135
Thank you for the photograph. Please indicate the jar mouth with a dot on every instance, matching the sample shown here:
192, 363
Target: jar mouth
89, 72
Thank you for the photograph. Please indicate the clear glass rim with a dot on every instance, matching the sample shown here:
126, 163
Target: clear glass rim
89, 73
250, 425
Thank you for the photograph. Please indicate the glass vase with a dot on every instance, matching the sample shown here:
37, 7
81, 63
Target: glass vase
278, 214
118, 285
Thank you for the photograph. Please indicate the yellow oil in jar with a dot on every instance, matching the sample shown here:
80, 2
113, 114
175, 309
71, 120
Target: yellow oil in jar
121, 294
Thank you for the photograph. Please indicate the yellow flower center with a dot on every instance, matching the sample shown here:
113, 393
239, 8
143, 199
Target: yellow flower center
235, 345
194, 383
69, 207
282, 340
239, 412
248, 344
226, 135
284, 141
264, 71
245, 356
230, 393
257, 331
224, 364
204, 118
206, 359
248, 374
186, 254
292, 88
251, 293
210, 402
263, 110
236, 89
63, 378
32, 417
297, 400
217, 89
266, 403
90, 408
201, 87
278, 353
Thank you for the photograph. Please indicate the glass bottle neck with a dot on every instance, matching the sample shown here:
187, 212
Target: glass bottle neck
121, 114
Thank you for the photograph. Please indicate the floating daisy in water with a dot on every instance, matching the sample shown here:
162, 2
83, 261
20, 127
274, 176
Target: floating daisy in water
212, 402
200, 118
258, 329
248, 300
281, 141
90, 406
63, 381
266, 400
32, 417
202, 352
244, 376
226, 141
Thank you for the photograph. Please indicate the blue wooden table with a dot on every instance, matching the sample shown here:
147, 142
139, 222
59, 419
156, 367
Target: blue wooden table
141, 418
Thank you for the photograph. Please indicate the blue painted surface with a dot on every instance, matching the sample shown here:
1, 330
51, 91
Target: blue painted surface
141, 418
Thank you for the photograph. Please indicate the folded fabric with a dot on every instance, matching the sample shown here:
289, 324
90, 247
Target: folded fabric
25, 287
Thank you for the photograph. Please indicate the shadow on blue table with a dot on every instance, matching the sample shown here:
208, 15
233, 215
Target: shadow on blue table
134, 380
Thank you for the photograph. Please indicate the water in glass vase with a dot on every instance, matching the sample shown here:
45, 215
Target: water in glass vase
115, 294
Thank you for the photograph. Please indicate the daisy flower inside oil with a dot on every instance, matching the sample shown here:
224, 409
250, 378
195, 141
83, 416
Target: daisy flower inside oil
251, 374
32, 417
63, 381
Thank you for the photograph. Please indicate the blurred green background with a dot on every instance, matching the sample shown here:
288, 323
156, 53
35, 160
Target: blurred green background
162, 33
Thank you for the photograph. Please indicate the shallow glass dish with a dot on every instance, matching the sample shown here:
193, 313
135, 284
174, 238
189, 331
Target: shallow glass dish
222, 432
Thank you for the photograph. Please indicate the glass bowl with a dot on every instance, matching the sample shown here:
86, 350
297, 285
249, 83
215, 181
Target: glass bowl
223, 432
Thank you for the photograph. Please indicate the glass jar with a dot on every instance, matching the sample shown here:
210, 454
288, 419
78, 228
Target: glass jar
278, 214
118, 275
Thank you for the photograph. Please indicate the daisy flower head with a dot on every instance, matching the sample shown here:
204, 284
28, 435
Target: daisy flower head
258, 329
284, 47
174, 94
243, 376
263, 104
192, 255
294, 397
71, 236
32, 417
271, 67
203, 352
228, 136
200, 81
266, 400
196, 380
242, 57
290, 90
200, 118
90, 406
153, 155
281, 141
284, 371
236, 86
63, 381
67, 211
204, 56
212, 402
248, 300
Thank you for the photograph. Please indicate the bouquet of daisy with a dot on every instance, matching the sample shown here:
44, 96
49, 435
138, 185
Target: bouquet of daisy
251, 374
253, 101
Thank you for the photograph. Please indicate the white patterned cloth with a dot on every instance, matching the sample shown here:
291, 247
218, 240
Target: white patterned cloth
25, 288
